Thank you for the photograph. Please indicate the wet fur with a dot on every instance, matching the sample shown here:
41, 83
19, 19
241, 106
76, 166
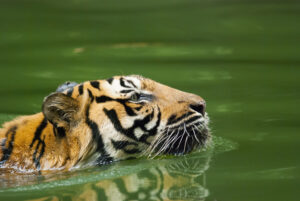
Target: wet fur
96, 122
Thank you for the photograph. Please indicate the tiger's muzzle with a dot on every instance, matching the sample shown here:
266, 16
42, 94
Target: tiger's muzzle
183, 134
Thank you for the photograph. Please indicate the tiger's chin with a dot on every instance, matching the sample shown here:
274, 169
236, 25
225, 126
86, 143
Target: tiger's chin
188, 144
183, 139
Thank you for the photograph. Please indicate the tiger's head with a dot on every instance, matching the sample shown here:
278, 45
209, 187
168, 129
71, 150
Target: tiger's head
127, 116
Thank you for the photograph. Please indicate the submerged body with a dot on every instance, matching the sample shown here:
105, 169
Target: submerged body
97, 122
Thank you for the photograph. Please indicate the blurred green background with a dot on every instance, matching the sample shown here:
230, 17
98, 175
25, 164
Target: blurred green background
242, 56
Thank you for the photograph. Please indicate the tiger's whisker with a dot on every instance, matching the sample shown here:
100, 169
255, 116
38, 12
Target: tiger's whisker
185, 143
184, 126
180, 140
195, 135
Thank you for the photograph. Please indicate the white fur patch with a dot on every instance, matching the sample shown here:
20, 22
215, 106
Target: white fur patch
135, 80
138, 132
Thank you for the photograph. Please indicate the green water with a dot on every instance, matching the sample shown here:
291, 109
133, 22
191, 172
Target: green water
242, 56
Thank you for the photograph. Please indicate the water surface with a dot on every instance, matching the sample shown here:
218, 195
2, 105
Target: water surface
242, 56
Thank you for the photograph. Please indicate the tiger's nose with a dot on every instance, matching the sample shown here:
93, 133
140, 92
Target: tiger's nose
199, 107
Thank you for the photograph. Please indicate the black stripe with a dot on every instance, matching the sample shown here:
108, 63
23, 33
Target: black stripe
40, 142
91, 95
80, 89
70, 91
110, 80
103, 99
129, 110
173, 120
138, 108
39, 131
6, 151
194, 118
122, 145
138, 123
105, 157
122, 83
126, 91
112, 115
95, 84
152, 131
129, 81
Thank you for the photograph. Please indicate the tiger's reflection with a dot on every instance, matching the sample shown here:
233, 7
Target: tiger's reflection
179, 179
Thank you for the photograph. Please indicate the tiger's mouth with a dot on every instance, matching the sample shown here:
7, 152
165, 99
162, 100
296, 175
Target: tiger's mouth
182, 138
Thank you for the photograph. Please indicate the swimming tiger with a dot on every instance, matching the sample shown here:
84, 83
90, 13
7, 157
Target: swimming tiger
98, 122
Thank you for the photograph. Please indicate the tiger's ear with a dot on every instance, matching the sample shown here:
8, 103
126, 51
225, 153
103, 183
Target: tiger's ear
60, 109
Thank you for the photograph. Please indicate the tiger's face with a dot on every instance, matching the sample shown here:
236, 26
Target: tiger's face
127, 116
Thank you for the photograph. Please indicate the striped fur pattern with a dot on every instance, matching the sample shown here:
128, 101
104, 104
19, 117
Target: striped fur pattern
97, 122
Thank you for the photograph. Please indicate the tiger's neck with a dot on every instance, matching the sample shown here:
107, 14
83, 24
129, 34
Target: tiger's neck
32, 142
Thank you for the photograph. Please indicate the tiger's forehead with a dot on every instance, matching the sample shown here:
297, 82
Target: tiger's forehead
126, 83
131, 81
113, 86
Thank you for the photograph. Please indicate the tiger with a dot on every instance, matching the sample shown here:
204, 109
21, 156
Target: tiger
103, 121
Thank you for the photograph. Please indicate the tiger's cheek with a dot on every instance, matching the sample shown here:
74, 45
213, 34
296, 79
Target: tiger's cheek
108, 128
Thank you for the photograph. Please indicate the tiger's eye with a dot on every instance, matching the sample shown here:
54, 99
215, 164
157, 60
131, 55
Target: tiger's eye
135, 97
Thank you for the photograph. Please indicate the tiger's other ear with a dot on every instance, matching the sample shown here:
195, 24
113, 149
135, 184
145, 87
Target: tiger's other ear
60, 109
65, 86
